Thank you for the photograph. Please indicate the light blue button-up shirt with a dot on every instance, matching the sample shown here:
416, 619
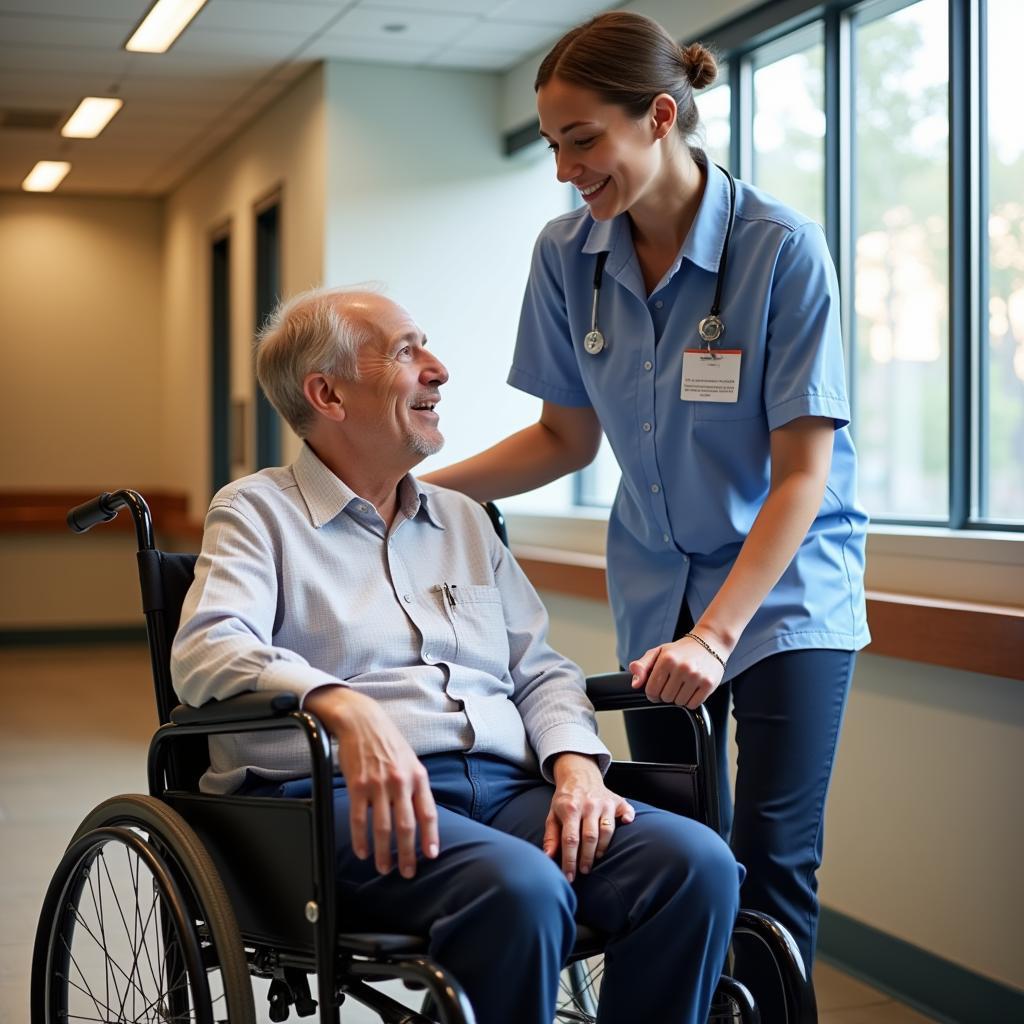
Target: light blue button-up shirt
694, 474
301, 584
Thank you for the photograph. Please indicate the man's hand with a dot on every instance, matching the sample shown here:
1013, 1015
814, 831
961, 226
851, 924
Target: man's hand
382, 772
680, 673
581, 821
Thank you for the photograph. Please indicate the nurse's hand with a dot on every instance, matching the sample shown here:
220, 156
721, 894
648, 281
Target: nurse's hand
680, 673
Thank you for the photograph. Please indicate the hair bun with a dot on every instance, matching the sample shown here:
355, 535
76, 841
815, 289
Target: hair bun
700, 65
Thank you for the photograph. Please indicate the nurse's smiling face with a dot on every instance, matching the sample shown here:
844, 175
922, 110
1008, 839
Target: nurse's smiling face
610, 157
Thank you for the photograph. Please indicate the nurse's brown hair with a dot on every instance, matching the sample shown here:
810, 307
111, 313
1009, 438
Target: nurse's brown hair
627, 60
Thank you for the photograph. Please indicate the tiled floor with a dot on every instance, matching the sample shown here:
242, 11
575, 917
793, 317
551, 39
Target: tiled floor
74, 728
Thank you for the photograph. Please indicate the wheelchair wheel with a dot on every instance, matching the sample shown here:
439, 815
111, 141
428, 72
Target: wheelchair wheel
579, 991
136, 926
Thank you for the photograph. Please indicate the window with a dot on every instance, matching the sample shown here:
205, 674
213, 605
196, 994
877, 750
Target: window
713, 105
901, 267
1001, 473
789, 121
904, 140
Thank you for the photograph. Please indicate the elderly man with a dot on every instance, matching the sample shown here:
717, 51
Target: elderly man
467, 749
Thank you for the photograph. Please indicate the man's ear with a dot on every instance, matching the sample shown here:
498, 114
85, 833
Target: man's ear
662, 115
325, 396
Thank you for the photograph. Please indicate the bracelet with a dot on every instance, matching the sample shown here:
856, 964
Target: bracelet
707, 647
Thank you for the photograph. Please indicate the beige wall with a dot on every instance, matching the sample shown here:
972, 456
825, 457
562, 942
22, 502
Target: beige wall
421, 199
80, 394
80, 302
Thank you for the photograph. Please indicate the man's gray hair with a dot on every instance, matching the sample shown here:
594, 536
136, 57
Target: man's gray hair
308, 333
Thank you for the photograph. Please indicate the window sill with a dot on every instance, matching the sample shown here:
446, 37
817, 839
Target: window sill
970, 636
976, 566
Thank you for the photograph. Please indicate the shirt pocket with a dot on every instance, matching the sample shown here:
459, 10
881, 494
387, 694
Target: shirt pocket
479, 621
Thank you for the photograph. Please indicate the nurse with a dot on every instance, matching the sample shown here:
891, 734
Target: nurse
695, 321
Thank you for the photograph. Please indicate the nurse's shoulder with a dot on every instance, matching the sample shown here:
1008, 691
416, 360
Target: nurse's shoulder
768, 230
564, 236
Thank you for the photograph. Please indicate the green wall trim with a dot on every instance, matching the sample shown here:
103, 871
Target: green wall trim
70, 636
931, 984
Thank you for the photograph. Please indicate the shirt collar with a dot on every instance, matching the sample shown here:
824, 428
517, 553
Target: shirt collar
326, 495
703, 244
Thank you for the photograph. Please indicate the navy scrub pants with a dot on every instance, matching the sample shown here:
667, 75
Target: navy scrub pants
500, 914
788, 709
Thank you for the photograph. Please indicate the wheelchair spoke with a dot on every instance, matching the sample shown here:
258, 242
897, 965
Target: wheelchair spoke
143, 989
579, 986
103, 937
141, 936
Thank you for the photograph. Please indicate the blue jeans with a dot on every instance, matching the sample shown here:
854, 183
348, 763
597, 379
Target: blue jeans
500, 915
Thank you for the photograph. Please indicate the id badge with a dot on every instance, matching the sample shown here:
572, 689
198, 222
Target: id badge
711, 376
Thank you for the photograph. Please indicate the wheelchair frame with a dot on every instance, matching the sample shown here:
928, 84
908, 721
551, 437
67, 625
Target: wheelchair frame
297, 935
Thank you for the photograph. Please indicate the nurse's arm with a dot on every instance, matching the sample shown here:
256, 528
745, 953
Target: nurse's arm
801, 456
564, 440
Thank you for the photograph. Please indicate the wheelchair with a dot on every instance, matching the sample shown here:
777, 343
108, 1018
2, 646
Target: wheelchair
165, 906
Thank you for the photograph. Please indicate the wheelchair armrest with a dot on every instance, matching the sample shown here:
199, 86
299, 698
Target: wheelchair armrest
611, 691
241, 708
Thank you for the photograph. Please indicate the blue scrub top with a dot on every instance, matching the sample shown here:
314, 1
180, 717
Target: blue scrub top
694, 474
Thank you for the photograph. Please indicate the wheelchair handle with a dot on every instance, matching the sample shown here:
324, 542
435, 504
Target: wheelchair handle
104, 507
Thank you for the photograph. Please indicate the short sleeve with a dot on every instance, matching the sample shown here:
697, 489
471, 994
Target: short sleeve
544, 364
804, 367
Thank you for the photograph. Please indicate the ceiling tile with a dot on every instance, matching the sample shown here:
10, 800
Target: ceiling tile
63, 32
475, 60
420, 27
261, 46
564, 13
245, 16
127, 10
63, 59
386, 51
477, 7
508, 35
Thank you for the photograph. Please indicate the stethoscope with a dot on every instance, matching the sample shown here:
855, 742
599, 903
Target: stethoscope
710, 329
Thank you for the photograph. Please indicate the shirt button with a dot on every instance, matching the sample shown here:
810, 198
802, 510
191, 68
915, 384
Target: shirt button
648, 364
659, 304
364, 508
407, 598
655, 488
665, 537
647, 428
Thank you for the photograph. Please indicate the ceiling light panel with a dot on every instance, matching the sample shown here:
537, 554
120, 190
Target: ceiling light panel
92, 115
46, 176
166, 20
